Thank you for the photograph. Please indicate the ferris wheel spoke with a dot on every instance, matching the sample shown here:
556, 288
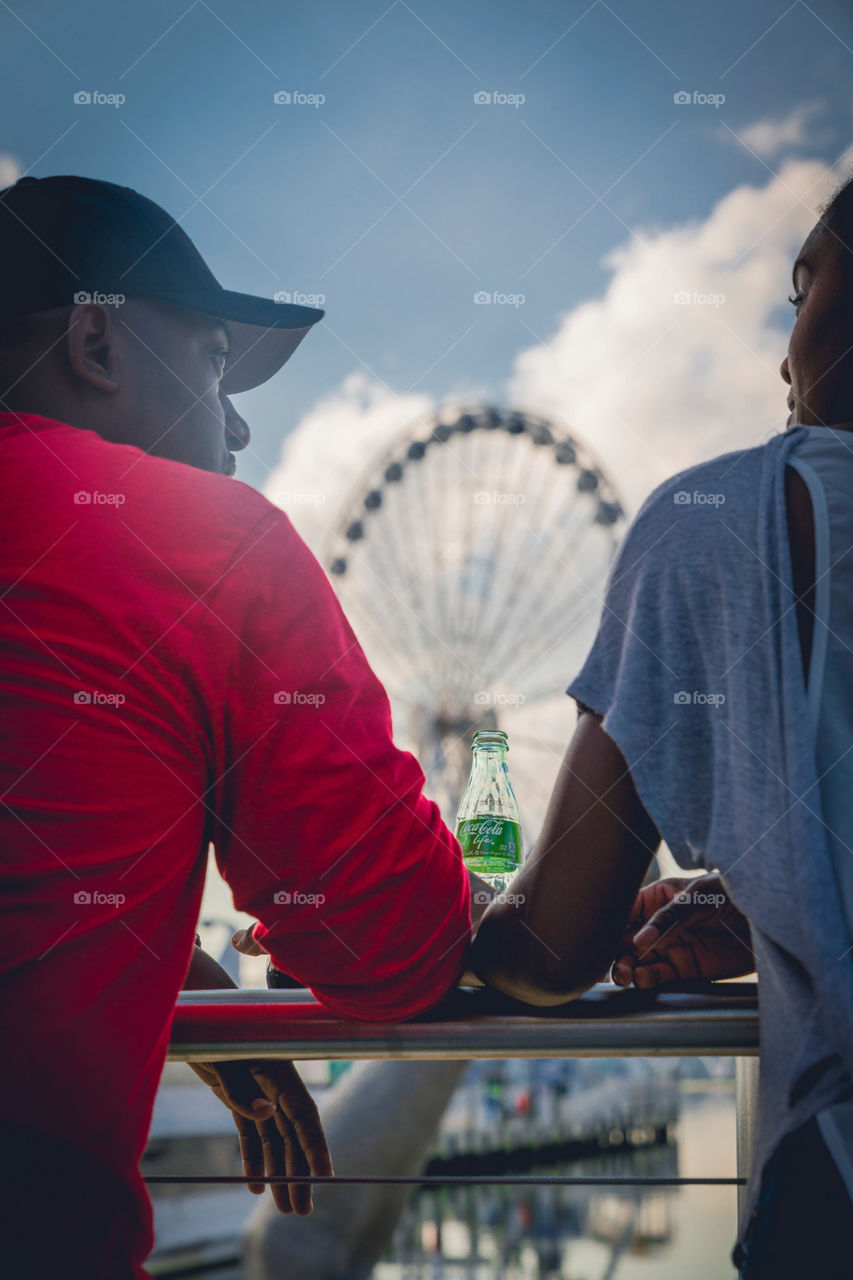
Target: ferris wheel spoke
556, 631
522, 633
390, 625
518, 574
552, 583
496, 614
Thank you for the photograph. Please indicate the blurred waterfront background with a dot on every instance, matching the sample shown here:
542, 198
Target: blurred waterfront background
634, 1118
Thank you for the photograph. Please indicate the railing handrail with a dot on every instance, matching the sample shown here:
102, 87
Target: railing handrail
714, 1019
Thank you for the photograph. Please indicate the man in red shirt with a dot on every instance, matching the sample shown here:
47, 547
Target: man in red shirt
176, 671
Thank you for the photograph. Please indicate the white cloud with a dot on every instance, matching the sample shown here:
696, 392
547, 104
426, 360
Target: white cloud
328, 450
768, 138
650, 384
653, 385
10, 169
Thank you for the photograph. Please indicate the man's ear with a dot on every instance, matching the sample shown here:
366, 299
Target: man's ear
91, 346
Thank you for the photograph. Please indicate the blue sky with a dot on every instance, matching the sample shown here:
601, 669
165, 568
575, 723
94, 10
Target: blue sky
400, 197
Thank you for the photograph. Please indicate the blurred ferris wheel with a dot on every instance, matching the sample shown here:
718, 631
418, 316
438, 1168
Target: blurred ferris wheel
471, 558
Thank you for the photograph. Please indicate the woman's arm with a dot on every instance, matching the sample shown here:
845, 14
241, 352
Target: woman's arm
205, 973
578, 885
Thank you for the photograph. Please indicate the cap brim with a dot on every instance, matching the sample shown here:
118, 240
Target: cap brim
264, 333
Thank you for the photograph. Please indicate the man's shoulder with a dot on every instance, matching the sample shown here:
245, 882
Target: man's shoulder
182, 511
129, 506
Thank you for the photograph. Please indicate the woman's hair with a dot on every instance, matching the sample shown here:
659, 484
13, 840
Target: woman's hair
837, 215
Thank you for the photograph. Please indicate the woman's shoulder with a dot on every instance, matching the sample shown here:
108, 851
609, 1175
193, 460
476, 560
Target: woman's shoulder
714, 483
692, 502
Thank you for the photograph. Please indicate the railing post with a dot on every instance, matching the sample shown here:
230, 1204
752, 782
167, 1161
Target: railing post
746, 1119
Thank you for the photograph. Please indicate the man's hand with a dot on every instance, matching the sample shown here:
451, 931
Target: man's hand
683, 928
278, 1124
275, 1115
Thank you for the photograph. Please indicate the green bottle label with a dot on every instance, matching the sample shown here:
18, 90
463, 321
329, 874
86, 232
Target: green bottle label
490, 844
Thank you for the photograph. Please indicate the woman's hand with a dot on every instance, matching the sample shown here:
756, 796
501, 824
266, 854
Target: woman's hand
683, 928
278, 1125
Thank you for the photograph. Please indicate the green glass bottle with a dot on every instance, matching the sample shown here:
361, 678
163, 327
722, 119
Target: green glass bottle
488, 825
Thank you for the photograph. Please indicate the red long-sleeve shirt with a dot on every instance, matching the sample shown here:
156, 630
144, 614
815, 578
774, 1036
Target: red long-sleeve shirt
176, 670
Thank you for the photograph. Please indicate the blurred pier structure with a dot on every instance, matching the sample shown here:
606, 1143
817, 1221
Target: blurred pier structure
545, 1105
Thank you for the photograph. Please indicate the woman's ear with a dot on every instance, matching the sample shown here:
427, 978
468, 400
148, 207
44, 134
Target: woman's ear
91, 346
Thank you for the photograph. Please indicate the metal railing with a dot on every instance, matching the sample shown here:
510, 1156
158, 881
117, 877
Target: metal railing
692, 1019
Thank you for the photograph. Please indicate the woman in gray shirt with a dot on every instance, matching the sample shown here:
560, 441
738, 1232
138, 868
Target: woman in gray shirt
716, 714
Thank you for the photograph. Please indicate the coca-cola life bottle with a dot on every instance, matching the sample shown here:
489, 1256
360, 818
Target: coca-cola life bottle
488, 825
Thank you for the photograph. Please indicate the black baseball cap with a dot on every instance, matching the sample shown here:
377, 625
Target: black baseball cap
65, 236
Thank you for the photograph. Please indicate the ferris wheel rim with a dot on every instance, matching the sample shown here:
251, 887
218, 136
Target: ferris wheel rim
357, 512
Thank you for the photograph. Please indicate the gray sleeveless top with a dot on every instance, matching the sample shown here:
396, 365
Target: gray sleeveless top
697, 672
824, 459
